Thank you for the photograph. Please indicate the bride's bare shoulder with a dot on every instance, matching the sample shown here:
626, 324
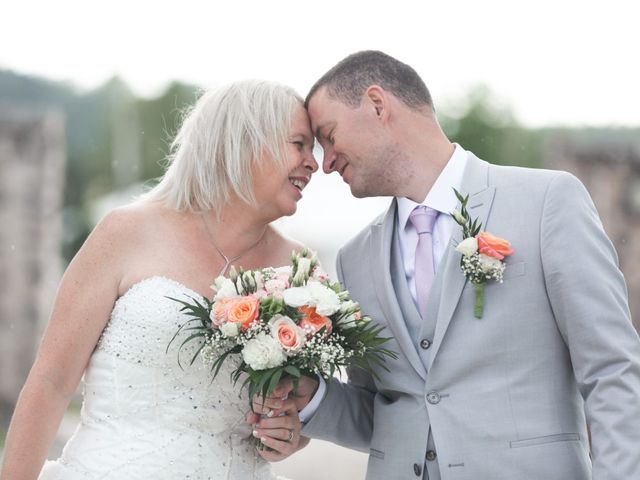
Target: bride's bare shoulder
128, 226
132, 218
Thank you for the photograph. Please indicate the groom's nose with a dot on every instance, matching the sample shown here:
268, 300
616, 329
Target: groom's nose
329, 161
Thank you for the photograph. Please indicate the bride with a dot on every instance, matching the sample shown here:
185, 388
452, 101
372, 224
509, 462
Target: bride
240, 161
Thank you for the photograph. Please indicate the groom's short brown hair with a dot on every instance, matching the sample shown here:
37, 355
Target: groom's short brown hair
349, 79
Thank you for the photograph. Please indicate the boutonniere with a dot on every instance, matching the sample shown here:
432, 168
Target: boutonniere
483, 254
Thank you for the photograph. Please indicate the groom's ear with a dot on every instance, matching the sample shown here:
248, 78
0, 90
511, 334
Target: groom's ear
376, 99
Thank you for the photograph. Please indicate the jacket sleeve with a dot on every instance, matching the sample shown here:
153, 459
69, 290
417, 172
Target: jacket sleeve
588, 296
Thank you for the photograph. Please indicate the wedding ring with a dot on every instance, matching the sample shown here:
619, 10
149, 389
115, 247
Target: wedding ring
290, 435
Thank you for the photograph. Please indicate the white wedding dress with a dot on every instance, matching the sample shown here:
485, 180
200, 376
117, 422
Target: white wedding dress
143, 416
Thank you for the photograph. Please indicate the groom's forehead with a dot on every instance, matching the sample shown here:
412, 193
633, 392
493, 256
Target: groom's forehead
322, 111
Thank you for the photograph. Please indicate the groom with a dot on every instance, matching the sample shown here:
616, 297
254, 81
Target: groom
507, 396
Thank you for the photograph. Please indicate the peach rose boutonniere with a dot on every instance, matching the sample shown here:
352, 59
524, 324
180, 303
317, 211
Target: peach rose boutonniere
483, 254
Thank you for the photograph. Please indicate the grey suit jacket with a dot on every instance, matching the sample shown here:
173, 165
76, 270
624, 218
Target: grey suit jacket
508, 396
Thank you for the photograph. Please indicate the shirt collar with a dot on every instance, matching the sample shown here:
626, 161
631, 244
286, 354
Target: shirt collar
441, 196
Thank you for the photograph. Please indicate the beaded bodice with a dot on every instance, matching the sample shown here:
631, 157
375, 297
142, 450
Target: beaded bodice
143, 415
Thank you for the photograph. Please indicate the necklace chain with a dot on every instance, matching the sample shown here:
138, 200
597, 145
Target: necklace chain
228, 261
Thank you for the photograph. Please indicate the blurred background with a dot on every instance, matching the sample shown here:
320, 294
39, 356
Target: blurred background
91, 94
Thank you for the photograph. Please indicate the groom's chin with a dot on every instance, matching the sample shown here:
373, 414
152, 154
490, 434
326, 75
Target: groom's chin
357, 192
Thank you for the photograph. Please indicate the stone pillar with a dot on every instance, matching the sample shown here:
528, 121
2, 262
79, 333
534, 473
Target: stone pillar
32, 162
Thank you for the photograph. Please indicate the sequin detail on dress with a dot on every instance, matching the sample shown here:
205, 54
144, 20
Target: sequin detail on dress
143, 416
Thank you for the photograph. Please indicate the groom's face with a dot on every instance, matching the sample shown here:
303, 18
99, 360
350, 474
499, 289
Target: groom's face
351, 142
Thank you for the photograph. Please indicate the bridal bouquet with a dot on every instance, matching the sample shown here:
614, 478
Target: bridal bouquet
281, 323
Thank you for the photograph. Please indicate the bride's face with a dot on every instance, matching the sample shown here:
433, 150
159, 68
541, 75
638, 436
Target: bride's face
277, 190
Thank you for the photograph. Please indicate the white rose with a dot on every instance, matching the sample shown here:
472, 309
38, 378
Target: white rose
468, 246
224, 288
230, 329
263, 352
489, 264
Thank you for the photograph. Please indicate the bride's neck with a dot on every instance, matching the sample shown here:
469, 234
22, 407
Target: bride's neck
236, 228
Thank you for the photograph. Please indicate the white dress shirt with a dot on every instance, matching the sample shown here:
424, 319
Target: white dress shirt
441, 198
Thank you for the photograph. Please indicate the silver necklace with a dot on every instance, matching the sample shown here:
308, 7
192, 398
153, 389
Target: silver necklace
228, 261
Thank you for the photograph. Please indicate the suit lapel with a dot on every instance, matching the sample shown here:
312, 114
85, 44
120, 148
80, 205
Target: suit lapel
381, 240
475, 182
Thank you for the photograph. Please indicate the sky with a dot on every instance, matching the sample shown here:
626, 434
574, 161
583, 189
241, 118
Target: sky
553, 62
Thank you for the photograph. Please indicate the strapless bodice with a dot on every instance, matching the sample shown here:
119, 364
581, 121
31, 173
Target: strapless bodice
143, 415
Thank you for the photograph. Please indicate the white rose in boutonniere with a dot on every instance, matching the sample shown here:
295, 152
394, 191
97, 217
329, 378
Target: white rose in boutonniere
483, 254
468, 246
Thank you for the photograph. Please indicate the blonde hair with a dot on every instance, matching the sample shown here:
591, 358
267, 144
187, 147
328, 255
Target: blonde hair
222, 137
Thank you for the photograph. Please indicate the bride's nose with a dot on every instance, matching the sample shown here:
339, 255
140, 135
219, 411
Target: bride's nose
310, 163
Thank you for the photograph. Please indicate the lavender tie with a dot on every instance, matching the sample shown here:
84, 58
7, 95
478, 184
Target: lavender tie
423, 219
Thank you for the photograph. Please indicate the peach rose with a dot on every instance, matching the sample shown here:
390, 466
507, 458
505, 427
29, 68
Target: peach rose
290, 336
493, 246
244, 311
314, 321
220, 311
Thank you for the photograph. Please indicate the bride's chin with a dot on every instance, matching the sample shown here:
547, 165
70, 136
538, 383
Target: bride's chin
279, 211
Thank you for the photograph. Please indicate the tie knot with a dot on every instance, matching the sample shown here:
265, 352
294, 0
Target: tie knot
423, 219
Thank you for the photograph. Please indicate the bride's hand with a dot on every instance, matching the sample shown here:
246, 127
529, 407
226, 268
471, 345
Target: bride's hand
280, 433
301, 396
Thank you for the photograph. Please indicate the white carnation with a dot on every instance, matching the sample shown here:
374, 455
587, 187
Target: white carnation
230, 329
468, 246
263, 352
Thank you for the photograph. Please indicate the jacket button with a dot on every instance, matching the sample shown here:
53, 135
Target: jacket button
431, 455
417, 469
425, 343
433, 398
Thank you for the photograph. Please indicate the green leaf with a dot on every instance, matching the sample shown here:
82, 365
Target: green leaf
293, 371
273, 383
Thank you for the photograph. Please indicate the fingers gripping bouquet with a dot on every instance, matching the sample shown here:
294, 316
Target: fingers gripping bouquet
282, 323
